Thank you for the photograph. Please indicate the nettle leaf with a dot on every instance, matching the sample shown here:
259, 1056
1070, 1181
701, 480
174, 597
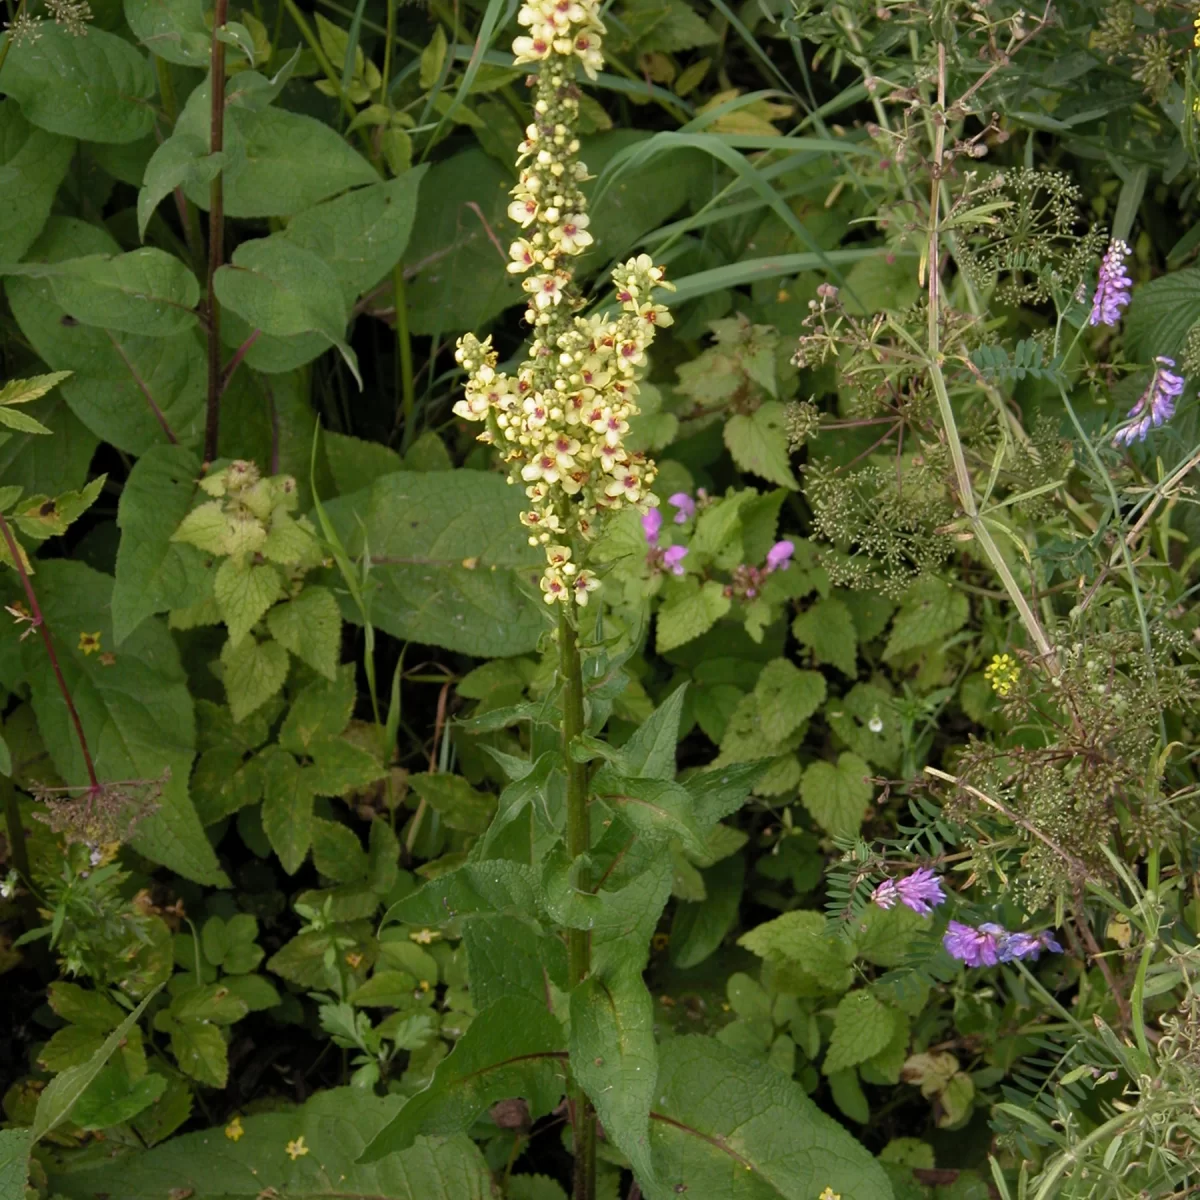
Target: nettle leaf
758, 443
801, 941
837, 795
285, 290
334, 1127
310, 626
98, 88
321, 710
866, 720
827, 629
243, 592
115, 375
136, 711
253, 672
449, 557
154, 573
724, 1126
146, 292
172, 29
1161, 313
930, 611
514, 1048
786, 698
33, 163
287, 811
862, 1027
690, 610
614, 1058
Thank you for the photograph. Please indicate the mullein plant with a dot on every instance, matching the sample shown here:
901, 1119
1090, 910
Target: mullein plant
560, 420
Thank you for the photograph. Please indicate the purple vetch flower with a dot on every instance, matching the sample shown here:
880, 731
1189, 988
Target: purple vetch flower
1156, 405
886, 894
921, 891
685, 506
651, 524
780, 555
673, 558
975, 947
1112, 286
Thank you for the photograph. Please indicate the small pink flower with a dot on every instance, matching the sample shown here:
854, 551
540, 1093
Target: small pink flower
651, 524
673, 558
779, 556
684, 505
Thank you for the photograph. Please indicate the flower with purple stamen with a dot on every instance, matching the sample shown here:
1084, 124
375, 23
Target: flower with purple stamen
651, 524
975, 947
673, 558
886, 894
1156, 404
684, 505
1112, 286
780, 555
921, 891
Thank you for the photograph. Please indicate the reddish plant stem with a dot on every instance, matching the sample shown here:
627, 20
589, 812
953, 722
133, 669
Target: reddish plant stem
235, 361
39, 623
216, 232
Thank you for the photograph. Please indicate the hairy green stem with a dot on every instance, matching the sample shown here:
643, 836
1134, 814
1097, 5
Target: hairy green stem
579, 949
950, 426
216, 233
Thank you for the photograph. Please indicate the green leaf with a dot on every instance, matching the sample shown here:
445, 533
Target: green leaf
513, 1048
613, 1057
201, 1052
114, 1099
758, 443
656, 808
449, 557
333, 1126
354, 463
462, 278
720, 793
827, 629
337, 852
455, 800
287, 812
98, 88
786, 698
310, 626
866, 720
837, 796
243, 592
930, 611
862, 1027
650, 752
15, 1145
509, 955
690, 610
172, 29
253, 672
40, 517
741, 1130
321, 710
32, 165
496, 886
283, 289
1161, 313
848, 1095
535, 1187
799, 939
699, 929
112, 373
147, 292
136, 712
55, 1103
154, 573
363, 234
181, 159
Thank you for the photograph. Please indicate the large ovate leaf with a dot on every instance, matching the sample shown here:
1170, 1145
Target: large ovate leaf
332, 1128
136, 712
97, 87
509, 955
447, 551
514, 1048
731, 1127
32, 165
171, 29
614, 1058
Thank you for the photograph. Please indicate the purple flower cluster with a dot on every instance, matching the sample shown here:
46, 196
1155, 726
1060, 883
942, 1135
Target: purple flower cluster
921, 891
1112, 286
684, 506
1156, 404
990, 944
672, 557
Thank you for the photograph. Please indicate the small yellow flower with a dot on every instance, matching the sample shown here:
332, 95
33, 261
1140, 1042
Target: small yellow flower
353, 960
830, 1194
660, 941
234, 1130
1002, 672
297, 1149
424, 985
423, 936
1196, 39
89, 643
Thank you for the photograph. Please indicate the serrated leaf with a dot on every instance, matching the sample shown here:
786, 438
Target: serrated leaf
613, 1057
15, 1145
786, 698
650, 751
758, 442
455, 800
321, 710
513, 1048
287, 811
837, 795
508, 955
40, 517
800, 939
862, 1027
337, 852
930, 611
690, 611
339, 766
827, 629
252, 672
243, 592
310, 626
22, 391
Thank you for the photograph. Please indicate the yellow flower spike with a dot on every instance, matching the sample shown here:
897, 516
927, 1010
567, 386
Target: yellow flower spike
297, 1149
1002, 673
89, 643
234, 1130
